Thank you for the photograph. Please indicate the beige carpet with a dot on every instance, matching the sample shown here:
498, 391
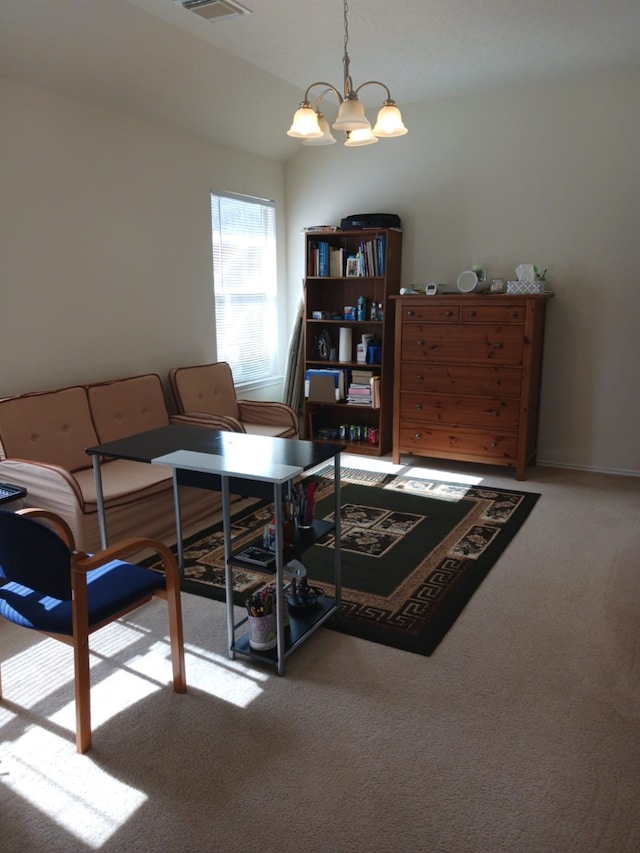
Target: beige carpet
520, 734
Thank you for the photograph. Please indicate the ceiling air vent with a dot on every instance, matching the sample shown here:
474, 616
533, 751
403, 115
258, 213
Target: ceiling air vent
214, 10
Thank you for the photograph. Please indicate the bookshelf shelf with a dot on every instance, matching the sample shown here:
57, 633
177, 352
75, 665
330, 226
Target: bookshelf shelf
329, 293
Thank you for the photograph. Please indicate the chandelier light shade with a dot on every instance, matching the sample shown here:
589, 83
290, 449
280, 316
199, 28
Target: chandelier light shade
305, 123
360, 136
351, 115
389, 122
311, 126
327, 137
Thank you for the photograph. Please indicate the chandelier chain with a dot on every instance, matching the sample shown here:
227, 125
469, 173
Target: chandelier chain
348, 84
346, 27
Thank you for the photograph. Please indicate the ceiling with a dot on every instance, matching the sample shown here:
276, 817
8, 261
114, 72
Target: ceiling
237, 81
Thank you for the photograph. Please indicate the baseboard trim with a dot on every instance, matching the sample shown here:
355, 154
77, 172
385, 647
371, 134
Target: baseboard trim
620, 472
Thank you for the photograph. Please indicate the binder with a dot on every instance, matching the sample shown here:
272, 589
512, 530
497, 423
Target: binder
313, 388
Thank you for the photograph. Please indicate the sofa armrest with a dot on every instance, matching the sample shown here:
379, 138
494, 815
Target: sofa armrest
43, 482
268, 413
206, 421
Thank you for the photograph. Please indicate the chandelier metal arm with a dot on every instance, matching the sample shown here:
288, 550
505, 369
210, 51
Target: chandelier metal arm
374, 83
327, 88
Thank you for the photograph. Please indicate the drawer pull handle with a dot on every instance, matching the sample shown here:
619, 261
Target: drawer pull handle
513, 313
418, 436
420, 343
448, 313
472, 313
410, 313
419, 407
494, 444
419, 378
496, 382
497, 345
495, 413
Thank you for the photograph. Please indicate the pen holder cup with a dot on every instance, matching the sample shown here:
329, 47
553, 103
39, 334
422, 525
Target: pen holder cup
262, 632
304, 511
271, 589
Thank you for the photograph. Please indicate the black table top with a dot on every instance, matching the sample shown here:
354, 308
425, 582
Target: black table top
145, 446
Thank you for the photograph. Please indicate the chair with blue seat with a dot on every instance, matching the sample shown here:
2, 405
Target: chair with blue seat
48, 586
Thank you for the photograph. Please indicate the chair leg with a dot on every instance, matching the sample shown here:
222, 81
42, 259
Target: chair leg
176, 636
83, 693
80, 608
174, 603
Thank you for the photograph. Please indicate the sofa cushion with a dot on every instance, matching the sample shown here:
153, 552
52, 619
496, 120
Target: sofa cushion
123, 482
51, 426
205, 388
127, 406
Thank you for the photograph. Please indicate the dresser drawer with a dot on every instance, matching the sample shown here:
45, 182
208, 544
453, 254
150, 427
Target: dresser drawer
431, 311
460, 379
458, 443
472, 312
451, 409
463, 343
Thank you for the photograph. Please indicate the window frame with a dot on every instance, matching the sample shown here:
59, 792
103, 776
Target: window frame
266, 342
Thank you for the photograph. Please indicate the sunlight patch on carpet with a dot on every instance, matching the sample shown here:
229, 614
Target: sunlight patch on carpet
84, 800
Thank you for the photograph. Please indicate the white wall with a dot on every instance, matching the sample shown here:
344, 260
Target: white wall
105, 265
105, 242
547, 175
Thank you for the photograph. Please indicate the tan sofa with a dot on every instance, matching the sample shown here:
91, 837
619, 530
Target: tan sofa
43, 437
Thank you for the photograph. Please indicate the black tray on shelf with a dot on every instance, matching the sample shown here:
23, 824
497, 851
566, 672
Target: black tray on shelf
303, 538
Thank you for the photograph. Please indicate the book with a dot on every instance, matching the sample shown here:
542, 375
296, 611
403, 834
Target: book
361, 377
336, 262
375, 392
256, 556
323, 258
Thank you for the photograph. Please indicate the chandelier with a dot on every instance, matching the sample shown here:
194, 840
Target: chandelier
310, 125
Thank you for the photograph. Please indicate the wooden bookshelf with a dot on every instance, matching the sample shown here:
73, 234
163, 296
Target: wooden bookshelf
375, 255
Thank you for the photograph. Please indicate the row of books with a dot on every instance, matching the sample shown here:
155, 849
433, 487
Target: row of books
357, 387
326, 260
364, 392
371, 254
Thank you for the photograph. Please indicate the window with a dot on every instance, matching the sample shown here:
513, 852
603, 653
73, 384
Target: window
243, 233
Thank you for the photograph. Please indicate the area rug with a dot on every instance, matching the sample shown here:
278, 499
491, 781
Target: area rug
413, 553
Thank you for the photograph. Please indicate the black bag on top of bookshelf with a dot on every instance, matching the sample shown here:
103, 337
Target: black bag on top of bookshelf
371, 220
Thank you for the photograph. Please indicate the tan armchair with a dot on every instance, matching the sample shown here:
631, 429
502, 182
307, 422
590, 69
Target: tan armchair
205, 396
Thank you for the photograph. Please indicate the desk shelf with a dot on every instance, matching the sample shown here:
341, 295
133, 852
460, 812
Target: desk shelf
303, 538
299, 628
301, 625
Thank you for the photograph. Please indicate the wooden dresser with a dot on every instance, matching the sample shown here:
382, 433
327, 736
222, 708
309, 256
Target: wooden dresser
467, 377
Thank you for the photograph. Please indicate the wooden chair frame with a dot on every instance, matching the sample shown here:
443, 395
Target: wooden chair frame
82, 563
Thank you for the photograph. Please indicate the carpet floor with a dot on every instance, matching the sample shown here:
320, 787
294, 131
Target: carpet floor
518, 735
